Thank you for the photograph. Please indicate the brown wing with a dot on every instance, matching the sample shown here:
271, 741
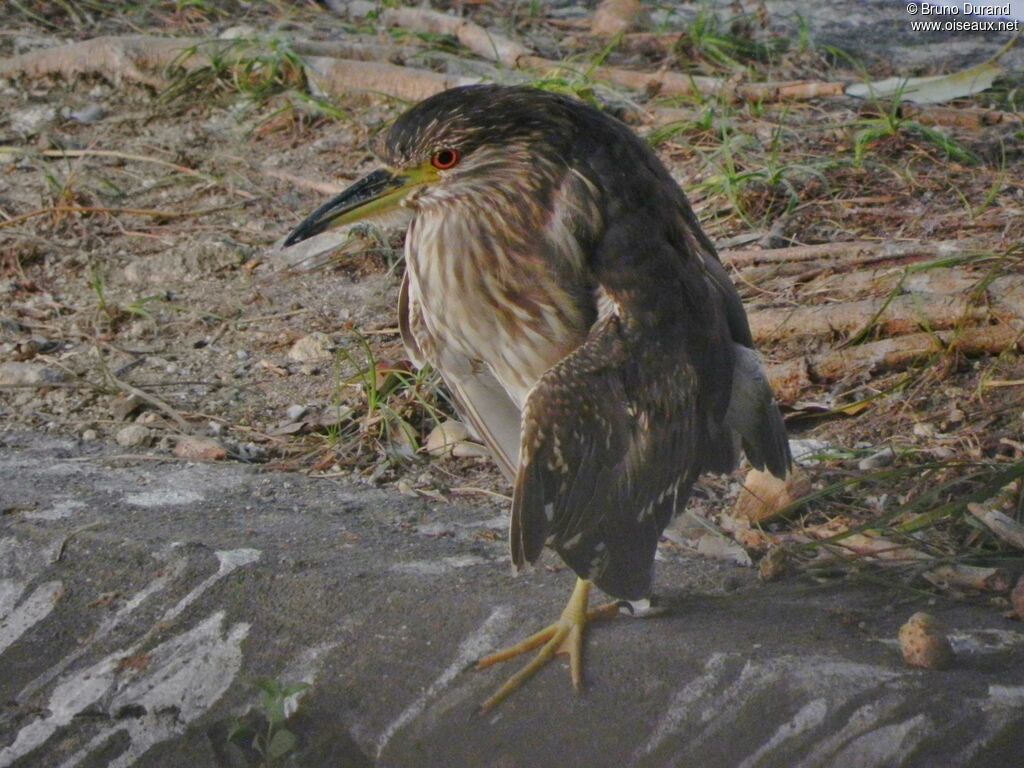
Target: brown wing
609, 454
479, 398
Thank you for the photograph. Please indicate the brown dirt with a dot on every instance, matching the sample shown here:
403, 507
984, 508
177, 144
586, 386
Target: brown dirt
193, 306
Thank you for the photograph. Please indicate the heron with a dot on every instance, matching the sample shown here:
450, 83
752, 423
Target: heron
558, 279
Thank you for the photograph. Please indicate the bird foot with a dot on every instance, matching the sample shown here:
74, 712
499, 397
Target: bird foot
565, 636
641, 609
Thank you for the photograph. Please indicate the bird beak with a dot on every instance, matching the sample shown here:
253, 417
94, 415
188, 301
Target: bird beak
376, 194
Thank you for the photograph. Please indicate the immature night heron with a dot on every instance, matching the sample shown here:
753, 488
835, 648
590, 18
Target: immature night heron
558, 280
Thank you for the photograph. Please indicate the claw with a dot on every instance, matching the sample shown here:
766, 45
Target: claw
565, 636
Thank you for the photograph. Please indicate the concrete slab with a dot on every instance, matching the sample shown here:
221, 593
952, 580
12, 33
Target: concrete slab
140, 600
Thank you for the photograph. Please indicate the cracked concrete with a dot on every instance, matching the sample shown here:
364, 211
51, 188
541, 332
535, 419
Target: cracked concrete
131, 636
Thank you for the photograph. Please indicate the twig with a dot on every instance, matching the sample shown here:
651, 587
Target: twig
104, 153
124, 211
323, 187
153, 400
877, 250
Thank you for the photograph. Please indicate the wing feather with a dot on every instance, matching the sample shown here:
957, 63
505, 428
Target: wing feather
608, 456
481, 401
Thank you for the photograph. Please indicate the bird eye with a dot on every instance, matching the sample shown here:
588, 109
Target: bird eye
444, 159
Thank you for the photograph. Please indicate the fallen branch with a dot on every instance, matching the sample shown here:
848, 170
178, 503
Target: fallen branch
902, 314
137, 58
790, 378
858, 252
496, 47
472, 36
958, 117
881, 281
146, 59
969, 577
337, 77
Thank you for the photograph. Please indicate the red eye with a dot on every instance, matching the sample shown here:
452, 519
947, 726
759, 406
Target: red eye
444, 159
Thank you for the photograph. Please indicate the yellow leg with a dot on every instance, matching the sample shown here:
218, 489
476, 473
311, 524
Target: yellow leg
564, 636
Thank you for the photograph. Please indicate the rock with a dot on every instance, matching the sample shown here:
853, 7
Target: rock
31, 120
296, 412
924, 644
721, 547
763, 496
774, 564
133, 436
332, 416
27, 374
924, 429
442, 439
124, 406
158, 270
89, 435
882, 458
238, 32
89, 114
250, 452
315, 346
804, 450
203, 448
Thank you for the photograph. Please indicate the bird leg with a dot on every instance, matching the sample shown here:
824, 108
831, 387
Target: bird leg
564, 636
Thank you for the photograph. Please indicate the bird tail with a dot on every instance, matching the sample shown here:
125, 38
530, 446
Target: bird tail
754, 416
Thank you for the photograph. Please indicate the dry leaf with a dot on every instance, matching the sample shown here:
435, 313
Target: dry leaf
930, 90
763, 495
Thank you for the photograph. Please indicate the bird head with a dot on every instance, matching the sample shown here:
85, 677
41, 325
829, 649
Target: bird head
484, 145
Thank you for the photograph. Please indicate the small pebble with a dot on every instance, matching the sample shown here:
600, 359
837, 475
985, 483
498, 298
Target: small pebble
89, 435
443, 438
20, 374
296, 412
924, 644
31, 120
204, 448
315, 346
133, 436
89, 114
